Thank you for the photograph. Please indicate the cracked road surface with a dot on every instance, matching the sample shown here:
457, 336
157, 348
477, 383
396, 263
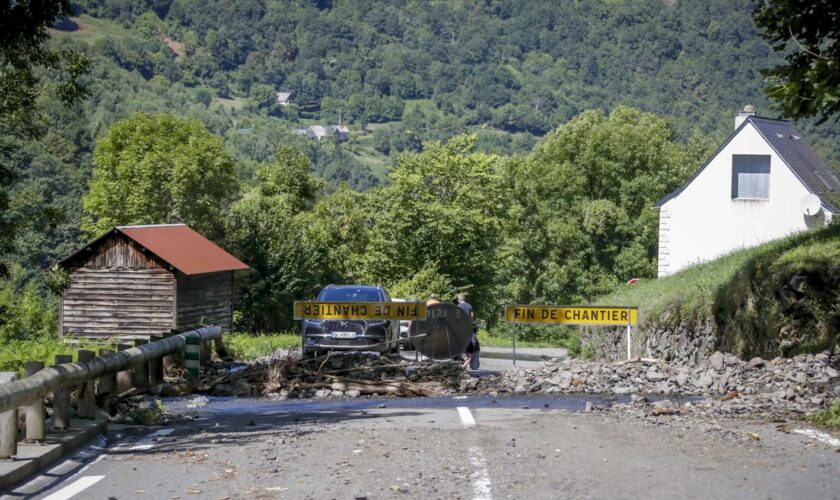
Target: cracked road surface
470, 448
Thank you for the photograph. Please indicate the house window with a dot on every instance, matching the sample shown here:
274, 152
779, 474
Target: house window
751, 177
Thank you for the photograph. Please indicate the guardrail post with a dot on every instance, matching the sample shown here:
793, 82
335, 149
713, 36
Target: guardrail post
124, 382
221, 351
141, 371
61, 399
174, 361
86, 404
155, 366
106, 384
204, 353
34, 412
192, 354
8, 422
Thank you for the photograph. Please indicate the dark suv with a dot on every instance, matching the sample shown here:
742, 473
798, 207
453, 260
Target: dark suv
357, 335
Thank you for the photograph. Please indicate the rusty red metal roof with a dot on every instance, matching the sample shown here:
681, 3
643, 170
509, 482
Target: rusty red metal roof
183, 248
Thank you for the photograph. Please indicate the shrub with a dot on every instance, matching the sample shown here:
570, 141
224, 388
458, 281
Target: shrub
829, 417
24, 313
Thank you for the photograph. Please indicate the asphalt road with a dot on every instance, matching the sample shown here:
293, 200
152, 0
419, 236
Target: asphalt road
474, 448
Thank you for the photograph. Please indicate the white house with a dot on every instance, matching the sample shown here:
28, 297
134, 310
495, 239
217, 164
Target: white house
763, 183
284, 98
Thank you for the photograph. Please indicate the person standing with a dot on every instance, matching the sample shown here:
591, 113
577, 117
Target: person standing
474, 347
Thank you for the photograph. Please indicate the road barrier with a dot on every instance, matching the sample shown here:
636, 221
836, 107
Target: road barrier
91, 375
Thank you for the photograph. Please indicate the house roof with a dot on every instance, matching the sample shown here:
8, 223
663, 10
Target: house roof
283, 96
811, 170
178, 245
318, 130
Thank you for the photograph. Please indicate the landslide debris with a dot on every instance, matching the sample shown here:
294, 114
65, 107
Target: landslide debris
349, 374
727, 385
782, 386
722, 385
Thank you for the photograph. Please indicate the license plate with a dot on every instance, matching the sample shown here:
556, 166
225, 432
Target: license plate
344, 335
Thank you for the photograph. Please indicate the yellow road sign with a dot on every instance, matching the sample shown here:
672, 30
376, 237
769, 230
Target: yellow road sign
383, 311
572, 315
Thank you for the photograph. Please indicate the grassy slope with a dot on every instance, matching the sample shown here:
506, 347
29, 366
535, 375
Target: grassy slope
90, 30
748, 296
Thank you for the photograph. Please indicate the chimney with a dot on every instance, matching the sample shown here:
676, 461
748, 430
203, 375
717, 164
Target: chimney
749, 110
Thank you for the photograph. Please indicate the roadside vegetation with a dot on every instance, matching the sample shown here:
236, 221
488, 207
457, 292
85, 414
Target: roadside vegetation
557, 337
246, 346
14, 353
778, 297
829, 417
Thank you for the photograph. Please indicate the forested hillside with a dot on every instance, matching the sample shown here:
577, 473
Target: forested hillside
569, 119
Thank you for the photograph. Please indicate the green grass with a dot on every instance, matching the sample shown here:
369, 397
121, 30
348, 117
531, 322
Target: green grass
234, 103
244, 346
90, 30
694, 290
829, 417
14, 353
486, 339
746, 297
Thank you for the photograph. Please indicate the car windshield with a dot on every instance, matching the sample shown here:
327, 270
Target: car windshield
350, 295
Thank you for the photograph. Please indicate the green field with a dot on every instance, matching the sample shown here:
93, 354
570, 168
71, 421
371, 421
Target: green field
90, 30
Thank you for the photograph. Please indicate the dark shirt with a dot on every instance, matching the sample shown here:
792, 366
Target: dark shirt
467, 308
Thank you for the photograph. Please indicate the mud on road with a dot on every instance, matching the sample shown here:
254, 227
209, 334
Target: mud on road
545, 446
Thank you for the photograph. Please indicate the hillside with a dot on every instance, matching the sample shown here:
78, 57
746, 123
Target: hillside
620, 90
522, 69
777, 299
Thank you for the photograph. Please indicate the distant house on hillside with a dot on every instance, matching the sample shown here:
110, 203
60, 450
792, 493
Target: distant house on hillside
339, 132
284, 98
763, 183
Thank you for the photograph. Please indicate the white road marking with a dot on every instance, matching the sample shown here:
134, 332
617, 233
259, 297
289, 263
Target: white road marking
74, 489
819, 436
480, 476
149, 442
466, 417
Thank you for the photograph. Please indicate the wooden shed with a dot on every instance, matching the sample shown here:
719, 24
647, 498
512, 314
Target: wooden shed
136, 281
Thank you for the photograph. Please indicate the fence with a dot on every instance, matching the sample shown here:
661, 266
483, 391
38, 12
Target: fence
109, 373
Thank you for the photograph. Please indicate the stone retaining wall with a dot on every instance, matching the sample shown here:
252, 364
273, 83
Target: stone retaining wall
683, 344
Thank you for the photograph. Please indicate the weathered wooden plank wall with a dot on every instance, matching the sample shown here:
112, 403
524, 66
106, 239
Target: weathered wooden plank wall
118, 290
118, 302
120, 252
205, 299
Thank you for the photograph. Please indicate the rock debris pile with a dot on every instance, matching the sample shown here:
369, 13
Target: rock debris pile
779, 386
725, 384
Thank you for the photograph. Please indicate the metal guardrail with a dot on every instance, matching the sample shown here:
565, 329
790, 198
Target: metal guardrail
58, 379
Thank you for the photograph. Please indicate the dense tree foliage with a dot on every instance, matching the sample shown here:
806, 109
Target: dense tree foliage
581, 217
439, 218
268, 228
510, 65
808, 82
159, 169
25, 58
562, 224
